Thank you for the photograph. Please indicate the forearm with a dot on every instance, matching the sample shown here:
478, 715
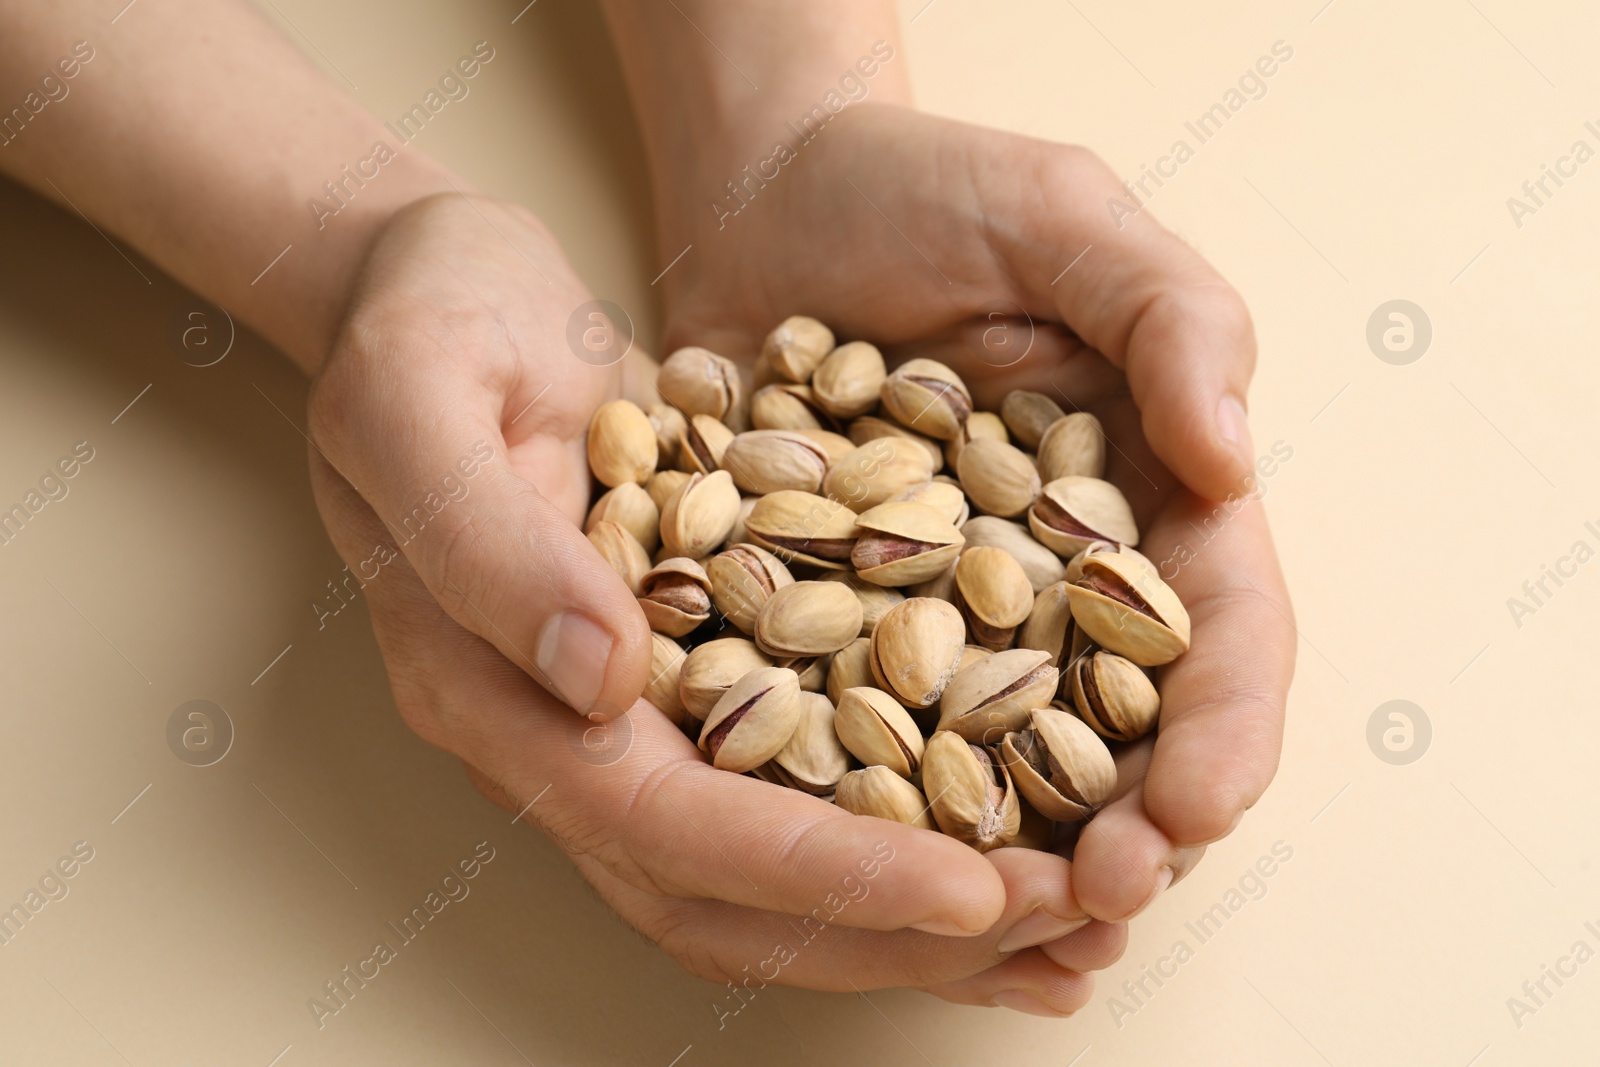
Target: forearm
720, 85
200, 136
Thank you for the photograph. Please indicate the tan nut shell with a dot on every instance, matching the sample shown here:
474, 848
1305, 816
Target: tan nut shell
753, 720
850, 668
916, 649
945, 497
666, 665
876, 600
1092, 510
742, 577
1115, 697
998, 478
622, 551
1028, 415
803, 528
1051, 628
697, 381
877, 471
878, 731
995, 695
765, 461
663, 484
880, 792
808, 619
702, 444
980, 425
968, 802
835, 446
928, 397
787, 406
814, 760
668, 423
1074, 444
699, 516
622, 444
1042, 566
847, 382
796, 346
630, 507
993, 595
675, 596
1147, 637
1060, 765
903, 543
709, 669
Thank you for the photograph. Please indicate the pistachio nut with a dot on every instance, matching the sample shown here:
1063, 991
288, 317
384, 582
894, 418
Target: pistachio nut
1042, 566
942, 496
803, 528
812, 670
998, 478
875, 599
1051, 628
1075, 564
1073, 445
1028, 415
663, 484
971, 654
878, 731
880, 792
1121, 603
850, 668
1060, 765
928, 397
743, 576
994, 696
872, 428
622, 444
808, 619
972, 797
899, 544
796, 346
703, 441
875, 472
846, 384
709, 669
915, 650
939, 587
765, 461
814, 759
668, 423
787, 406
666, 665
675, 596
835, 446
993, 595
697, 381
699, 516
1074, 512
622, 551
739, 535
980, 425
753, 720
1114, 696
630, 507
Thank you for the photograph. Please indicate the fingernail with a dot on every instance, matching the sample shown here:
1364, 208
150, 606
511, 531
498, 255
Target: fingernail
944, 928
1037, 927
572, 656
1163, 880
1233, 426
1021, 1000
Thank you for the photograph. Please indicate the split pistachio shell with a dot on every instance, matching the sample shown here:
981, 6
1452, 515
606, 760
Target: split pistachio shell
666, 664
880, 792
1050, 628
668, 423
697, 381
813, 670
945, 497
835, 446
848, 381
803, 528
765, 461
1115, 696
899, 544
814, 759
971, 654
796, 346
980, 426
1075, 564
1122, 604
998, 478
702, 444
808, 619
622, 551
915, 650
876, 600
709, 669
622, 444
872, 428
1042, 566
993, 595
1028, 415
739, 535
663, 484
928, 397
743, 577
877, 471
675, 596
878, 731
1074, 444
1074, 512
973, 798
1060, 765
787, 406
700, 515
630, 507
995, 695
850, 668
753, 720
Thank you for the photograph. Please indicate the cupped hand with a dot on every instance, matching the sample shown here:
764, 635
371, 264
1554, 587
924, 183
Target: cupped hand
1025, 264
449, 465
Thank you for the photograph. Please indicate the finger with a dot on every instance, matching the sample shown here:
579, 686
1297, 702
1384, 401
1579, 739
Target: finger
1093, 948
1028, 982
1042, 356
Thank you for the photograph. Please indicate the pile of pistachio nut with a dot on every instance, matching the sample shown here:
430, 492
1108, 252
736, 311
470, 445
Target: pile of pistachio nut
861, 588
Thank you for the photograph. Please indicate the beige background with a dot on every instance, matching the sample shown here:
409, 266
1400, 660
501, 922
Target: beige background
1418, 499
